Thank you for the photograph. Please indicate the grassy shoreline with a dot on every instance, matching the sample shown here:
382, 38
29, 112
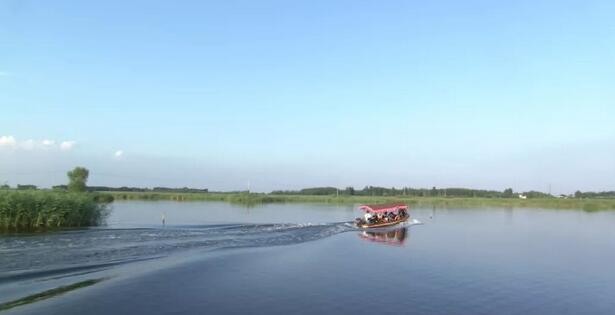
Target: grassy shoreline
587, 204
37, 210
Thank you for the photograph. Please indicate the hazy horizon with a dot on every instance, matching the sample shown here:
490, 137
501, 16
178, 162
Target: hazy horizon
279, 96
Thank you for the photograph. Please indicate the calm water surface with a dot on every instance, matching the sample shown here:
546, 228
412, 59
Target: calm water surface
218, 258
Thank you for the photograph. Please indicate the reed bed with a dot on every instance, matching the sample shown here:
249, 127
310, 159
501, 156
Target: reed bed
44, 209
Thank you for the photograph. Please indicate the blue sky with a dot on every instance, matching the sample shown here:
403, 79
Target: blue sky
288, 94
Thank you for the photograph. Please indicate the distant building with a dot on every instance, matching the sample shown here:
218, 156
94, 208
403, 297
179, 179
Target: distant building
522, 196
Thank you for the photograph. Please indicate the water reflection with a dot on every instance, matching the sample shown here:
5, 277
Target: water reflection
395, 237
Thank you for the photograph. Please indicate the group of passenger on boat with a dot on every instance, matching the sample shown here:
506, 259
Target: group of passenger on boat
382, 215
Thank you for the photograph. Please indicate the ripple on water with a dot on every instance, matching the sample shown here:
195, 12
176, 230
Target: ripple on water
90, 248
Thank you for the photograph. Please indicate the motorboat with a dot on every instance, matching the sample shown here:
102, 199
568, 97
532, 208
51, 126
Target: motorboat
382, 215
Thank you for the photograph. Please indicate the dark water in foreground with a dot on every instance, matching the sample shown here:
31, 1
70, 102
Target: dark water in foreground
216, 258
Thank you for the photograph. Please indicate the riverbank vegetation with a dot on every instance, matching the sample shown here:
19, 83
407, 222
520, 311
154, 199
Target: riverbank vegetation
373, 191
44, 209
33, 209
588, 204
77, 205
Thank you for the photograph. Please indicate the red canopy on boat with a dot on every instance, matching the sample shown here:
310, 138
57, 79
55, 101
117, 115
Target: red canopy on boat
385, 207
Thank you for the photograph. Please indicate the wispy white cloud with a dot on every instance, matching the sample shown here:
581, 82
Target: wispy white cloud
48, 143
67, 145
118, 154
7, 141
12, 143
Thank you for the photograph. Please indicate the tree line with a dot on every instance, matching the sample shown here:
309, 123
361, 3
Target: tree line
413, 192
590, 194
78, 178
403, 191
140, 189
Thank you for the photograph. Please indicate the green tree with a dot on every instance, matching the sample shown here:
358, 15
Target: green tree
434, 191
77, 179
508, 193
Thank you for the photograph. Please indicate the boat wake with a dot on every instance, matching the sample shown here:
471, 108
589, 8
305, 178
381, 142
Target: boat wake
29, 263
54, 254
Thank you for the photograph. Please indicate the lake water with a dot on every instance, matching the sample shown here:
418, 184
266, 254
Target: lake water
218, 258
